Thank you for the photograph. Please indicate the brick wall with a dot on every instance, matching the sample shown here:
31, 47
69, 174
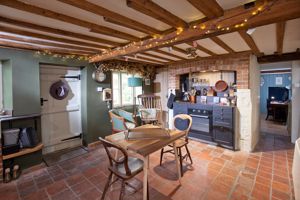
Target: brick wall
238, 63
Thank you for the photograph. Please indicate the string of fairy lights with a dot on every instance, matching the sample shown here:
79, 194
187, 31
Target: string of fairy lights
61, 56
168, 39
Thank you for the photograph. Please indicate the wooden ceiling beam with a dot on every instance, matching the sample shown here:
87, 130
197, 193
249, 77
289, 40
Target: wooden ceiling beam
16, 4
156, 56
271, 13
280, 29
58, 31
45, 43
279, 57
47, 37
250, 42
111, 16
210, 9
153, 10
180, 50
129, 59
222, 44
169, 54
37, 48
147, 59
201, 48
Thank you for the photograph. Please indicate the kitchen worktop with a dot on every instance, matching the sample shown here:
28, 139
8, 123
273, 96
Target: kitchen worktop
204, 104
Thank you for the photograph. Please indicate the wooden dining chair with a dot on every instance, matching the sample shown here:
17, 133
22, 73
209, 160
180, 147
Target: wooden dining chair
150, 108
124, 167
180, 143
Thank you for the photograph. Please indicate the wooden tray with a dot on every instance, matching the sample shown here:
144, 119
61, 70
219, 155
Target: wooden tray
147, 134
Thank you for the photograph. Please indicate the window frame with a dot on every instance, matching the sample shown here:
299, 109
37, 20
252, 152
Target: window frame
120, 90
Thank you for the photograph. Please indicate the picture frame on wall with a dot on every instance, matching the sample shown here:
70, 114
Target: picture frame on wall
278, 80
147, 81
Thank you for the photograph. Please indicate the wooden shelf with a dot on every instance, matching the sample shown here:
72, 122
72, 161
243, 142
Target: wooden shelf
23, 152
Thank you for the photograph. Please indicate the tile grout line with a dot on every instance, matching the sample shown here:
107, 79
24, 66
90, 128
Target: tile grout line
254, 181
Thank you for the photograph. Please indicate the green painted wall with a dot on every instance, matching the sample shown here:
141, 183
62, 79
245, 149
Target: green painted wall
7, 84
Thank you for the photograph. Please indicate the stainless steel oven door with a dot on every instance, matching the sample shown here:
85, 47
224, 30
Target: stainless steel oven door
200, 123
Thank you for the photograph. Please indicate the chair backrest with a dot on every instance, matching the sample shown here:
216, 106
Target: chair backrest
150, 101
114, 162
183, 117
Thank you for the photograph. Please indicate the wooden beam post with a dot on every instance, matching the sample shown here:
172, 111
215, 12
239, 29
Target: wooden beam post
280, 28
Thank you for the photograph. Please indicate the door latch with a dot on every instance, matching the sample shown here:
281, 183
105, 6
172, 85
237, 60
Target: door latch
42, 100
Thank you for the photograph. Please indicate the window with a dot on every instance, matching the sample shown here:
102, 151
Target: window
122, 94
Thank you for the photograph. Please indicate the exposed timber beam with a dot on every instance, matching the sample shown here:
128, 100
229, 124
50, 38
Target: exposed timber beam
250, 42
169, 54
47, 37
58, 31
139, 56
151, 9
201, 48
156, 56
45, 43
37, 48
210, 9
183, 51
16, 4
280, 28
111, 16
129, 59
222, 44
279, 57
272, 14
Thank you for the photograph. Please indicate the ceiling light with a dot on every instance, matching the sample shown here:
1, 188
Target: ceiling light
250, 31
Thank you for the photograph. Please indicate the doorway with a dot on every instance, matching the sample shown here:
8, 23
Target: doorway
61, 117
275, 98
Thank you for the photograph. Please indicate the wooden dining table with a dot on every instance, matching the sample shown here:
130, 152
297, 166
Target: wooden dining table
147, 146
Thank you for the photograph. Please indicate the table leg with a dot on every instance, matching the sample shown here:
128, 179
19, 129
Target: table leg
177, 163
146, 163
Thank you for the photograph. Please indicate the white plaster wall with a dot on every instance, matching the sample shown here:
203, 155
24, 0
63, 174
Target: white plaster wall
295, 130
255, 99
247, 116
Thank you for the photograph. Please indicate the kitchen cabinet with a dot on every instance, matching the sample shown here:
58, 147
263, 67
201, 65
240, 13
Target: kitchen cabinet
223, 126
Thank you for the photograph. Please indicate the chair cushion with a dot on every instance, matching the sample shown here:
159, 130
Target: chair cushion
135, 165
130, 125
148, 113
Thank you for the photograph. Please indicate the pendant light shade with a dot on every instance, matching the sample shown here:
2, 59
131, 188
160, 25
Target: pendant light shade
135, 82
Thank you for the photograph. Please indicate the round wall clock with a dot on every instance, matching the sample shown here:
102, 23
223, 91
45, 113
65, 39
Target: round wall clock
98, 75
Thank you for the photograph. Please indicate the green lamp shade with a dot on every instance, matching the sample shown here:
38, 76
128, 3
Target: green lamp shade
135, 82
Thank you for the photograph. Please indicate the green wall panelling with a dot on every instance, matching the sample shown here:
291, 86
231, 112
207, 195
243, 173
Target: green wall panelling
7, 84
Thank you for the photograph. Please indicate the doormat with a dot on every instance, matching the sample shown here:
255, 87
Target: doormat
63, 155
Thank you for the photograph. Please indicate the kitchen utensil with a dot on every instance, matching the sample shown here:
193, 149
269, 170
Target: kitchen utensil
211, 92
221, 86
204, 92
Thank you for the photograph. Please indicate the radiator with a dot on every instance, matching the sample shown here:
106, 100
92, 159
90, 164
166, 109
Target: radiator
296, 170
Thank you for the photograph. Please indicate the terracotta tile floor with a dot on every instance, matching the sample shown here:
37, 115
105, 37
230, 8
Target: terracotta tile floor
216, 174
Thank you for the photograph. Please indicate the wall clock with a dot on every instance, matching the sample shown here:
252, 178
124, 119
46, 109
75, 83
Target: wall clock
98, 75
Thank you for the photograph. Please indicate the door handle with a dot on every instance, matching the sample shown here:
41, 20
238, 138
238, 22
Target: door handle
42, 100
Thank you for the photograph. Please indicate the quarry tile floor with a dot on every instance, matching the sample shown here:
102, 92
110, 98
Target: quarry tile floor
216, 173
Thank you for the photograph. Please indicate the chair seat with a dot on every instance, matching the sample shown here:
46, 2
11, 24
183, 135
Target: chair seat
179, 143
135, 165
130, 125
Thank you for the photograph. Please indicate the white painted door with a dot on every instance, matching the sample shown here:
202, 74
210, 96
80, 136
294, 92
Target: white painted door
61, 119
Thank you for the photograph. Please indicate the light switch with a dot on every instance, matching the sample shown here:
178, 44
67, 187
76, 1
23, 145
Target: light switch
99, 89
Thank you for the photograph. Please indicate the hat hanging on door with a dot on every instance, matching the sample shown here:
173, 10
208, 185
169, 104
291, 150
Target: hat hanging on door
59, 90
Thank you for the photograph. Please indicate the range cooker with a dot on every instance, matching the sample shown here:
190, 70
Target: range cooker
202, 123
211, 123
